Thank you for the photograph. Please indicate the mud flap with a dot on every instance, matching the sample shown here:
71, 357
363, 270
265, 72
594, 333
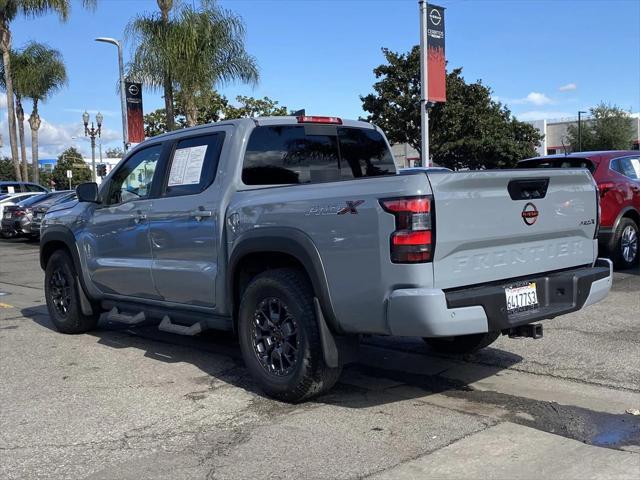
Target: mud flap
336, 350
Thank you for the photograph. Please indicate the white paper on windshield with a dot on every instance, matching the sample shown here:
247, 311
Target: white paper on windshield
186, 167
11, 189
636, 166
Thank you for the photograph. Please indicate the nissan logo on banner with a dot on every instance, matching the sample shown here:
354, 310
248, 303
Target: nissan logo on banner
436, 60
135, 121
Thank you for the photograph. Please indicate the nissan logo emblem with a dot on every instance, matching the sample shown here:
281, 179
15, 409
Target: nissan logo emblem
133, 89
435, 17
530, 214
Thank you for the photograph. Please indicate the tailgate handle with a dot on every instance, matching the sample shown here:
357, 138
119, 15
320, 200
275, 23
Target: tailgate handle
528, 188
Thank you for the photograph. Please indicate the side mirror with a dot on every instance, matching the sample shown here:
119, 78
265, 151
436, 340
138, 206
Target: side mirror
87, 192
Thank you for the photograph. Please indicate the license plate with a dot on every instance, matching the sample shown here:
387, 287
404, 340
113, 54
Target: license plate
521, 298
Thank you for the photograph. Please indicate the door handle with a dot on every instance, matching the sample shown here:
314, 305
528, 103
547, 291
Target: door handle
139, 218
200, 214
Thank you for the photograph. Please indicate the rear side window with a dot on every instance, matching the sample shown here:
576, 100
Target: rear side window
10, 188
629, 167
301, 154
193, 164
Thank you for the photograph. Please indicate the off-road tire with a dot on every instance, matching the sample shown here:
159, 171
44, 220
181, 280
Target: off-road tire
73, 321
309, 375
462, 344
619, 260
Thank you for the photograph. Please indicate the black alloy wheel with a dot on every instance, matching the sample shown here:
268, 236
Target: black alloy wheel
275, 337
60, 291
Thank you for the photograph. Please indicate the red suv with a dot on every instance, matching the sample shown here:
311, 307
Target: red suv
617, 174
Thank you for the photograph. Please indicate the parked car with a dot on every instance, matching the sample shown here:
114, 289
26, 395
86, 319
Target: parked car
297, 234
13, 198
17, 187
23, 219
617, 174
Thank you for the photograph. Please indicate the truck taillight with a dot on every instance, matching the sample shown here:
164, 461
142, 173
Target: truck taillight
412, 240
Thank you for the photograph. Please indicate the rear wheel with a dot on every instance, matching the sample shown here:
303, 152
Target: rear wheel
62, 296
280, 338
625, 243
463, 343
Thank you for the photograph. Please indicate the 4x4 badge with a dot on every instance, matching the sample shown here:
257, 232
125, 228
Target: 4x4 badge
351, 207
530, 214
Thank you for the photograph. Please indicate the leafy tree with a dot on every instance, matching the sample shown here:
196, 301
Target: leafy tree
115, 152
7, 171
200, 48
70, 159
470, 130
255, 107
9, 10
609, 128
155, 123
212, 107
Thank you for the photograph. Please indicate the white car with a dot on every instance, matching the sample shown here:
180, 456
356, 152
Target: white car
13, 198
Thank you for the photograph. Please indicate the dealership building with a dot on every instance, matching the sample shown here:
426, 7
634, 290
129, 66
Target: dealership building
555, 133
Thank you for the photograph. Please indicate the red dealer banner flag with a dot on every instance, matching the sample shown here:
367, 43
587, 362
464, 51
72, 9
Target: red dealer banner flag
436, 63
135, 121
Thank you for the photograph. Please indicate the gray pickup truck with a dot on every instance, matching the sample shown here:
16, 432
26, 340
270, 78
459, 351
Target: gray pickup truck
297, 234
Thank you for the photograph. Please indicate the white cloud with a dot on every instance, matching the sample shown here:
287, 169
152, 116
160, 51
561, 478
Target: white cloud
3, 100
534, 98
53, 138
568, 87
541, 115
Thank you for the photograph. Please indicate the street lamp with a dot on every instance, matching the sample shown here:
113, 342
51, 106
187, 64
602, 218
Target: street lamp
580, 112
123, 100
92, 133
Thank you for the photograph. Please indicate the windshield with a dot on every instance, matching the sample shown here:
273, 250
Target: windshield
35, 199
558, 163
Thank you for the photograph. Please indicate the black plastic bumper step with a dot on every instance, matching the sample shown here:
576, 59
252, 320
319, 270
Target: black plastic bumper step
167, 326
116, 316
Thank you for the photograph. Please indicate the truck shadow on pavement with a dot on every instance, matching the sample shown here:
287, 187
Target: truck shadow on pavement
383, 364
388, 370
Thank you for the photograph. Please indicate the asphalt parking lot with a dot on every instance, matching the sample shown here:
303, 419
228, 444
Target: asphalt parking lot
137, 403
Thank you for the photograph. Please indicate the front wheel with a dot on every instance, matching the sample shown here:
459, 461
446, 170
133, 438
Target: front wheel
626, 244
463, 343
63, 298
280, 338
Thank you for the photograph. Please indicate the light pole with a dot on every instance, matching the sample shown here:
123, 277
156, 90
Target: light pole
123, 99
92, 133
580, 112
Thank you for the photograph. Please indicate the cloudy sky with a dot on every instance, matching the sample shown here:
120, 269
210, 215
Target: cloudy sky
543, 58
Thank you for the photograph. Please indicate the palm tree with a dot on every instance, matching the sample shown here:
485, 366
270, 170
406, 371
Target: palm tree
200, 48
19, 78
165, 7
46, 75
9, 10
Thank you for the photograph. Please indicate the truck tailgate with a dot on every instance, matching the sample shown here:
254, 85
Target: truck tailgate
494, 225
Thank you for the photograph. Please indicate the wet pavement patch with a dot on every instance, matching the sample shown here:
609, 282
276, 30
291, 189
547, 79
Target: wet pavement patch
588, 426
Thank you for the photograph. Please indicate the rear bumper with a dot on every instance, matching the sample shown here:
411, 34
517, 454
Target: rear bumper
427, 312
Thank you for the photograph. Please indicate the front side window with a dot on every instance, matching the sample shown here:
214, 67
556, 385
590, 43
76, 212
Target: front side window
300, 154
134, 179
